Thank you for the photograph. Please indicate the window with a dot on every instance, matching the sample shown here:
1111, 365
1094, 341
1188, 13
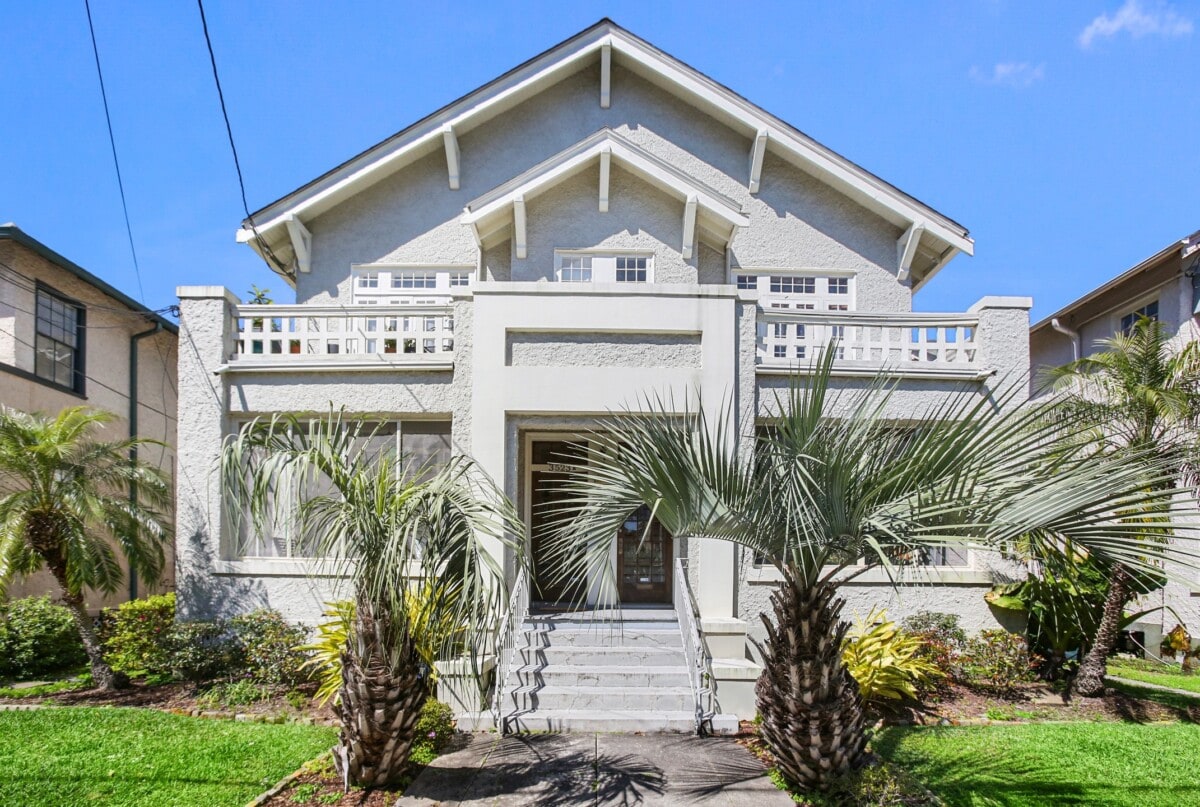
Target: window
631, 270
368, 280
58, 345
1149, 311
574, 269
460, 279
747, 282
839, 285
414, 280
786, 284
943, 556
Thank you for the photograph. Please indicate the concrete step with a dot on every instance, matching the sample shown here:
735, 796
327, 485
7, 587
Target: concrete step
601, 636
601, 676
605, 616
584, 656
602, 720
588, 698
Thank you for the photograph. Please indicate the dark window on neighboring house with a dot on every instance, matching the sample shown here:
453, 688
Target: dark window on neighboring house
1149, 311
58, 350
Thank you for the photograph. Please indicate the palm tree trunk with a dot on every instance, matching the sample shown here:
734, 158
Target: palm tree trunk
102, 673
812, 713
1089, 681
379, 706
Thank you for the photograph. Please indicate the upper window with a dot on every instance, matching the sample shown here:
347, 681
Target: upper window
377, 284
788, 284
1149, 311
586, 267
839, 285
748, 282
414, 280
59, 345
460, 279
368, 280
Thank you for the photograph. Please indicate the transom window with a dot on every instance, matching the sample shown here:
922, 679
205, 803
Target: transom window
588, 267
1149, 311
59, 341
407, 285
811, 291
414, 280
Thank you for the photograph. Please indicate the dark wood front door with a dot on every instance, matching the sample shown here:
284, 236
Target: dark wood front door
645, 559
548, 585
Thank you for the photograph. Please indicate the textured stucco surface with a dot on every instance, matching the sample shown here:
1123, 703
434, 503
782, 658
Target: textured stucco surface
593, 349
109, 327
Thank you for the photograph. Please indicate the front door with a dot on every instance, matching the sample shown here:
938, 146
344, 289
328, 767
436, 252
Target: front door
644, 559
551, 463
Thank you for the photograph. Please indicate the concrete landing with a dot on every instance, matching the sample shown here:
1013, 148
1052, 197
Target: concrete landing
594, 769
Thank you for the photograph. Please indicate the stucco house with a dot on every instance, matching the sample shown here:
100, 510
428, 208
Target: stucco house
1164, 287
600, 223
67, 338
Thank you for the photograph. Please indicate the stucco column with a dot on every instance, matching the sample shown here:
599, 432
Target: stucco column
1003, 340
205, 343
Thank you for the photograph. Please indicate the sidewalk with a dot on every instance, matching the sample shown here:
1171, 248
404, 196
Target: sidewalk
595, 769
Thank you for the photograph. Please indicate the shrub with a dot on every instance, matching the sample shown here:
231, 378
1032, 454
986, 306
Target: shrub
135, 636
202, 651
884, 660
37, 637
270, 652
998, 660
434, 729
233, 693
942, 641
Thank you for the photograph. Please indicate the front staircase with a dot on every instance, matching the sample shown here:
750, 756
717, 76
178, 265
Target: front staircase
622, 670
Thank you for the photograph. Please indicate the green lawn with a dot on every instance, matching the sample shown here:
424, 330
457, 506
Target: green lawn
1164, 675
140, 758
1059, 764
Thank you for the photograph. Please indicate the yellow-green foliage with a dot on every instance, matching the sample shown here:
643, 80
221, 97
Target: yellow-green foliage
327, 647
884, 660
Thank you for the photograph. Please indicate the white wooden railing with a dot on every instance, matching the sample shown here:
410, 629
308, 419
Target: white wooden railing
916, 343
699, 661
343, 334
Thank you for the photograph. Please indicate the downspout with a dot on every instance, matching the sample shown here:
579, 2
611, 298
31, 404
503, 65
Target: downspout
1065, 331
133, 425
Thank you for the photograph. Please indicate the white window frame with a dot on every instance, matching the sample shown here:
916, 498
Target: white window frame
820, 299
446, 283
1136, 308
603, 265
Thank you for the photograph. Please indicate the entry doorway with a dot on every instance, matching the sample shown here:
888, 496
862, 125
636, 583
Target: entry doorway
643, 550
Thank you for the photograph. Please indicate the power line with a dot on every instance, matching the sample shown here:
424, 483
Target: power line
33, 289
212, 58
113, 143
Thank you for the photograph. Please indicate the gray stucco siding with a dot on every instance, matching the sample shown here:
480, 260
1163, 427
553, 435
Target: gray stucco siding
397, 392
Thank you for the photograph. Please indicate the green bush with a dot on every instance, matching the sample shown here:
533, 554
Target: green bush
942, 643
135, 635
202, 651
434, 729
269, 647
997, 660
37, 637
884, 660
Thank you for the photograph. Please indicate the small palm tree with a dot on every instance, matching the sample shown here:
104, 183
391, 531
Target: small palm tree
836, 486
1140, 395
417, 546
65, 506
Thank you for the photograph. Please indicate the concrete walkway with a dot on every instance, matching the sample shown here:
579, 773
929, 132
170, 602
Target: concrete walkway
594, 769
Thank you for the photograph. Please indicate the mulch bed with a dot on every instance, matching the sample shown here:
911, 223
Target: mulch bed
323, 787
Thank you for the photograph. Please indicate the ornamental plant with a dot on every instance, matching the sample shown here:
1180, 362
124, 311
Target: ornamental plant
886, 661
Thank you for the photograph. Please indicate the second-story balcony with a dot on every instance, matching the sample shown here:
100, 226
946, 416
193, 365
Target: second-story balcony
362, 336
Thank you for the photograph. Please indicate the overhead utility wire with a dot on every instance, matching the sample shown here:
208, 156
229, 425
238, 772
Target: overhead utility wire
264, 248
113, 143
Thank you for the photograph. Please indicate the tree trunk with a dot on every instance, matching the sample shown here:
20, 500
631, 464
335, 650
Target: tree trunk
812, 713
1089, 681
102, 673
379, 705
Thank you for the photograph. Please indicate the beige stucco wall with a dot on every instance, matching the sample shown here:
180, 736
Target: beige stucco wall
109, 327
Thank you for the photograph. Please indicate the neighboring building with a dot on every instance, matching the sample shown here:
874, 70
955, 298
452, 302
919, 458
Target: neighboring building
1165, 287
67, 338
601, 223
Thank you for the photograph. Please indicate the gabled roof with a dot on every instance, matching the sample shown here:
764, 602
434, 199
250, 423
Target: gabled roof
607, 42
11, 232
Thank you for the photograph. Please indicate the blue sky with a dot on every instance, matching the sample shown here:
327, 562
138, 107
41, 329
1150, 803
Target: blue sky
1063, 135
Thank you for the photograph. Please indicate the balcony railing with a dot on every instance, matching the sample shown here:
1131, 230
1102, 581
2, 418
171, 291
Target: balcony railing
342, 335
904, 343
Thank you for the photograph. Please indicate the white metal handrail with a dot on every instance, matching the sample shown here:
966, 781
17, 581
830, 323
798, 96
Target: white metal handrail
904, 341
699, 661
299, 332
518, 611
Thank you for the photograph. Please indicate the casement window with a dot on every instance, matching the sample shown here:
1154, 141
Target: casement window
59, 339
418, 447
1130, 318
747, 282
785, 284
599, 267
838, 285
460, 279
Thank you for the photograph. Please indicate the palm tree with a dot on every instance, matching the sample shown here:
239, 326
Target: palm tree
416, 545
834, 487
1140, 394
65, 506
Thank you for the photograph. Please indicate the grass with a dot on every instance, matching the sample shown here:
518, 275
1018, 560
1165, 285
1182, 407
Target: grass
48, 688
1164, 675
143, 758
1115, 764
1185, 703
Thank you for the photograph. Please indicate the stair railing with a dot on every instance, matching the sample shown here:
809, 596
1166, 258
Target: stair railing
699, 661
518, 611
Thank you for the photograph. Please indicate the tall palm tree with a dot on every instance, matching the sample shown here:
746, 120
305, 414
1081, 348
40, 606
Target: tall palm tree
416, 545
65, 506
834, 487
1139, 394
